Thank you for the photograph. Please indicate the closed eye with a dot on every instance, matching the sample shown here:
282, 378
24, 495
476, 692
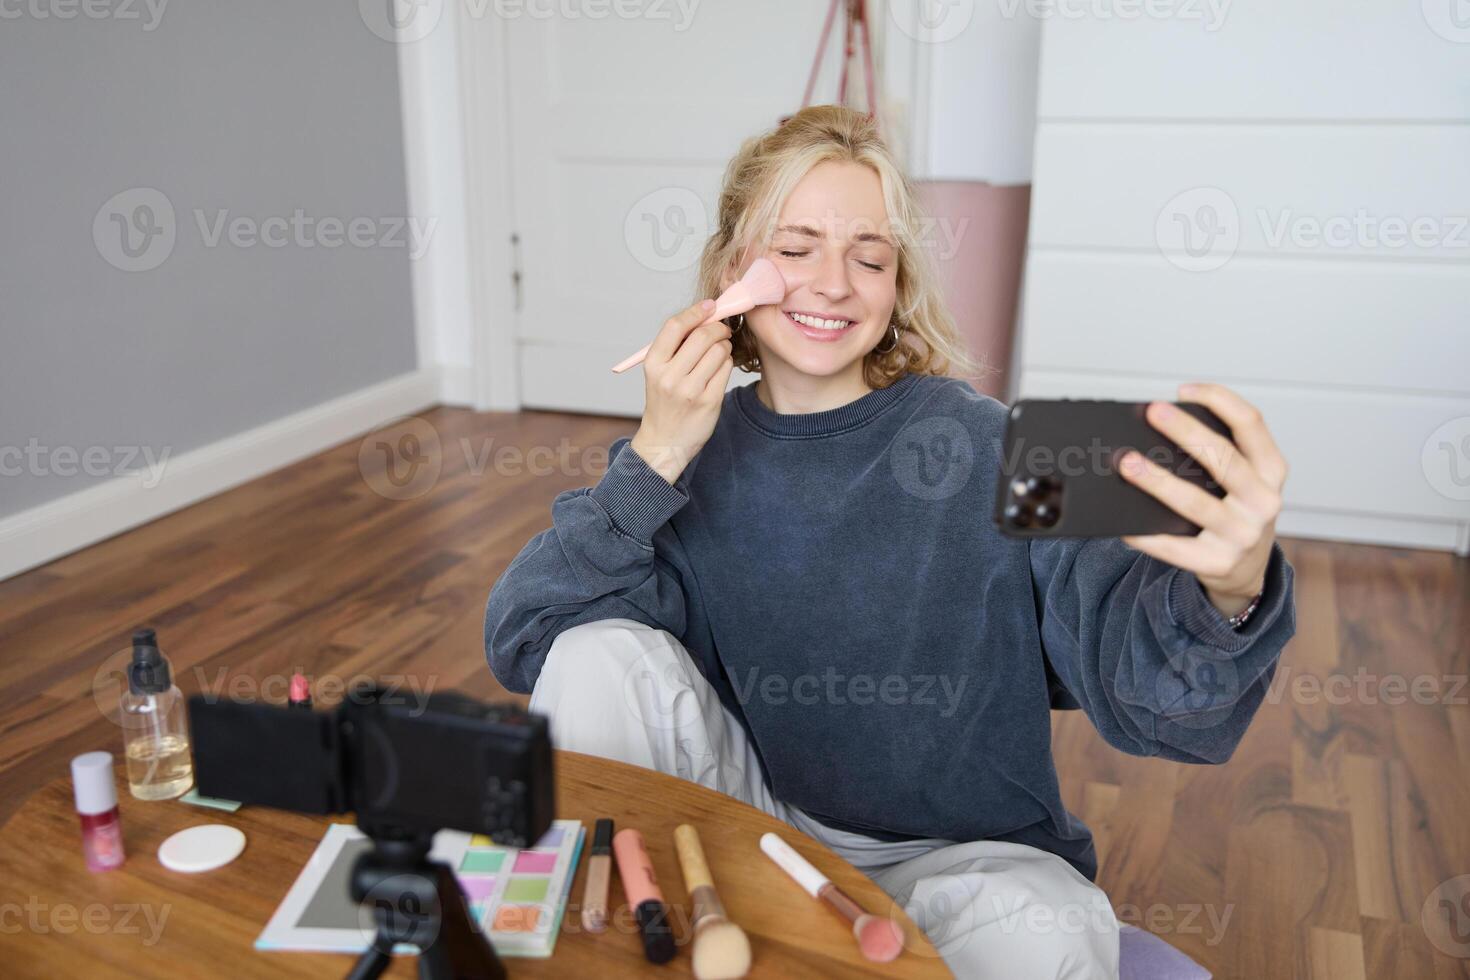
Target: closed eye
789, 254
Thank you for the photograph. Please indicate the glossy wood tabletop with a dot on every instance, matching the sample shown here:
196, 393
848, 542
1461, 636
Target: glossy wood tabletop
144, 920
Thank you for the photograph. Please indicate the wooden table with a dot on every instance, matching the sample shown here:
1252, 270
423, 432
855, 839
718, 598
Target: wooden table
59, 920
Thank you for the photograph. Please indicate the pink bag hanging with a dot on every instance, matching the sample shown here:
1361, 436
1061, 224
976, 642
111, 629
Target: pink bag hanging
856, 21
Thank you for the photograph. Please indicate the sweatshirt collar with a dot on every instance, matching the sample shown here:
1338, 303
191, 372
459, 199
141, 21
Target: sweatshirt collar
826, 423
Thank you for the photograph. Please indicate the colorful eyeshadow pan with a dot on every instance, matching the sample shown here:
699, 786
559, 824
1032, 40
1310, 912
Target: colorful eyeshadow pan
478, 889
535, 862
526, 889
483, 862
517, 918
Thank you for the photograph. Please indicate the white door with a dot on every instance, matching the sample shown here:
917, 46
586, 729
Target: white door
620, 129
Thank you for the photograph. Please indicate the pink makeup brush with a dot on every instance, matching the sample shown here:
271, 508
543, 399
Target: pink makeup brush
878, 939
760, 286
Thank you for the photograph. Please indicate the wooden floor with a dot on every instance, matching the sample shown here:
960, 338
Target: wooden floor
1326, 848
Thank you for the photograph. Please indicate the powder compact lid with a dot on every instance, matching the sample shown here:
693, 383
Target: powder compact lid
202, 848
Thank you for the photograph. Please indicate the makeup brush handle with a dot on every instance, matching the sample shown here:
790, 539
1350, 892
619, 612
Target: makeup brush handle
633, 360
691, 858
799, 868
735, 300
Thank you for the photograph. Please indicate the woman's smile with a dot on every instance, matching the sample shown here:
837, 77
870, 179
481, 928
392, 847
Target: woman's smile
819, 328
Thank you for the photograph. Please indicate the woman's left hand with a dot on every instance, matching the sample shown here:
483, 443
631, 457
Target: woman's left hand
1230, 552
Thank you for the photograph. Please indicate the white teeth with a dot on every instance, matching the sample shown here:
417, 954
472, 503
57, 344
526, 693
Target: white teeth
818, 322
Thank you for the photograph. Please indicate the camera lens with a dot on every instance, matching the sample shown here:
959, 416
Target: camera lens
1047, 515
1018, 516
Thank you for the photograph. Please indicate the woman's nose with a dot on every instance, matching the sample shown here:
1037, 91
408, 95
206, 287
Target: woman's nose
831, 280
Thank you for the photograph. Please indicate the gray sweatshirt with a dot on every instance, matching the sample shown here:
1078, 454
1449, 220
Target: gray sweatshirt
838, 580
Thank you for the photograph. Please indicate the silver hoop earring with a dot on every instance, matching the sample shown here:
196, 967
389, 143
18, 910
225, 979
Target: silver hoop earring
738, 326
891, 347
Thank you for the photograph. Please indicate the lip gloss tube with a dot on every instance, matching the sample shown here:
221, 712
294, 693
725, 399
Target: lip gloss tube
599, 876
95, 790
641, 888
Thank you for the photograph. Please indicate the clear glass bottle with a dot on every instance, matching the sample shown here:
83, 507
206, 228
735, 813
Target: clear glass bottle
155, 728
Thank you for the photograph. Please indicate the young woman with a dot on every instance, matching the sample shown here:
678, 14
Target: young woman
792, 592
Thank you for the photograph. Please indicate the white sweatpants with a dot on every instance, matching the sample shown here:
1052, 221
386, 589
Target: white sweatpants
622, 690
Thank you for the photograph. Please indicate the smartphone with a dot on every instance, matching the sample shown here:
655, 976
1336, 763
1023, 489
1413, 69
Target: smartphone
1059, 470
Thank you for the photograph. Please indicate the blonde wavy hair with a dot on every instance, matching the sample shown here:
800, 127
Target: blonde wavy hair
757, 183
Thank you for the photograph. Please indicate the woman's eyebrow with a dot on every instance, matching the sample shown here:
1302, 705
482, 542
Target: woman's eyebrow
865, 238
872, 237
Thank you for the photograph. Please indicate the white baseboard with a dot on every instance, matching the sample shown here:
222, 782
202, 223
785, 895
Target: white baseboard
58, 527
457, 385
1393, 532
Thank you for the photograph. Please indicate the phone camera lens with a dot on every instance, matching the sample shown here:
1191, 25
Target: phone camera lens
1047, 515
1018, 516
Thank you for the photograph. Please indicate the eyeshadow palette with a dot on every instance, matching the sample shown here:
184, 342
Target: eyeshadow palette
517, 896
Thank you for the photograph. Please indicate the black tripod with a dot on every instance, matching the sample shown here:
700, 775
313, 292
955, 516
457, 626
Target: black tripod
418, 901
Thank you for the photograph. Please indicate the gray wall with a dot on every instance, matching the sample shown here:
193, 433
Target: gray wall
255, 109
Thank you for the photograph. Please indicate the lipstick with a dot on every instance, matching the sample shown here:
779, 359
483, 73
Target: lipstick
300, 694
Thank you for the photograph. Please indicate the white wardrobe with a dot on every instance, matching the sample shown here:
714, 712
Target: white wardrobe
1274, 196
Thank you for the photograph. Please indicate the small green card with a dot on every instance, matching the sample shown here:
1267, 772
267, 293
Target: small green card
193, 797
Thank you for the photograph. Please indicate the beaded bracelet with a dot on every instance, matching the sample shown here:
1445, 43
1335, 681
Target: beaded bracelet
1240, 618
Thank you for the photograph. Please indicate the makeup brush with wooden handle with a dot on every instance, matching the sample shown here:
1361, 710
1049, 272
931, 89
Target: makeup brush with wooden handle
721, 948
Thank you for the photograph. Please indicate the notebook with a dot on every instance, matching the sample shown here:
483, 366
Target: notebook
517, 895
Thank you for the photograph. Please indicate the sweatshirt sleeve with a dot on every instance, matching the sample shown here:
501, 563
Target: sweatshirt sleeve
596, 561
1138, 645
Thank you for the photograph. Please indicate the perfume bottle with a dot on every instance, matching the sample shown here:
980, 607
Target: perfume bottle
155, 728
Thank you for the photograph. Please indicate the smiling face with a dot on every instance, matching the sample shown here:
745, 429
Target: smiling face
834, 246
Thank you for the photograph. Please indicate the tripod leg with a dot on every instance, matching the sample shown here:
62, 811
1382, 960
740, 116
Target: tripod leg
459, 950
419, 902
371, 964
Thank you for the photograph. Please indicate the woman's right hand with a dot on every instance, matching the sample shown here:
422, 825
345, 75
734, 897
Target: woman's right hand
685, 374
